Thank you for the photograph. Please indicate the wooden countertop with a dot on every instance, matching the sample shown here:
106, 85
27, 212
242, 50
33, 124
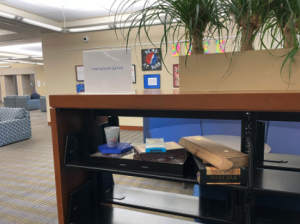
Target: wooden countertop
274, 101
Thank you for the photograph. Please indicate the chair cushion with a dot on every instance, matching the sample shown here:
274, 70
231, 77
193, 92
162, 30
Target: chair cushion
25, 97
11, 113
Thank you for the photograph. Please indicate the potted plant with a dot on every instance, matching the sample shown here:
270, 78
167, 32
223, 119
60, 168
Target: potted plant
248, 18
194, 20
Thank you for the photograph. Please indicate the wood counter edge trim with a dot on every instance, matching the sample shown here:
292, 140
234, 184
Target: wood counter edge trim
131, 128
124, 127
239, 102
59, 198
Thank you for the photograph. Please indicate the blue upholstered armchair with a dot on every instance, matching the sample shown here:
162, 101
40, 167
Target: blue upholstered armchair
43, 104
27, 103
14, 125
9, 101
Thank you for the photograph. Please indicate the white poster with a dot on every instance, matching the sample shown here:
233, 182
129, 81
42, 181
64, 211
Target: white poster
39, 83
108, 71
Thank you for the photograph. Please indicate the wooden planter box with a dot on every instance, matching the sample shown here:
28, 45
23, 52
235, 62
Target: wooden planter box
250, 70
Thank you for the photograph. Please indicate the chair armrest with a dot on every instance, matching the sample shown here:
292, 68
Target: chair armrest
14, 130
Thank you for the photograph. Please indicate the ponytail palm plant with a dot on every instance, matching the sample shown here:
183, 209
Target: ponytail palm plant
189, 20
284, 23
249, 16
283, 26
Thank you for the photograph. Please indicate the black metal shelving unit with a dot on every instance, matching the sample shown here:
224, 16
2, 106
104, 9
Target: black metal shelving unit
267, 177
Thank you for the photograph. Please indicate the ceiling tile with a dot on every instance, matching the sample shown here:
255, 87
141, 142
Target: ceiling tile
58, 16
68, 4
30, 6
89, 12
123, 6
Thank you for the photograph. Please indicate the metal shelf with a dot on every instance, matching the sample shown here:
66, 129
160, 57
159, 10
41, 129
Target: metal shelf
277, 181
170, 203
276, 216
293, 162
110, 215
187, 178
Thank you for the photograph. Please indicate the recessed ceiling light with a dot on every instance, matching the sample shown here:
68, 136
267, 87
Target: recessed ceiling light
7, 15
91, 28
43, 25
40, 63
5, 66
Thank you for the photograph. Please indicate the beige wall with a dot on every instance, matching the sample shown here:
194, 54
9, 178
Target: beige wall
25, 69
10, 88
0, 89
26, 87
59, 64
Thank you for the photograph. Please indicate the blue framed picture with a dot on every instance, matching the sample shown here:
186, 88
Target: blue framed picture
152, 81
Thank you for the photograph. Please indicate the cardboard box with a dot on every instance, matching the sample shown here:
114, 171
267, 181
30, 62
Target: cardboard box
220, 156
210, 175
172, 150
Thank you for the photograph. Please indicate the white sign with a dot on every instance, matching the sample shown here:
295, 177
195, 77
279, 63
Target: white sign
152, 81
39, 83
107, 71
80, 73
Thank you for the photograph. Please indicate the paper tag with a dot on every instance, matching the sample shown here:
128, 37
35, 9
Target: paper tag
152, 81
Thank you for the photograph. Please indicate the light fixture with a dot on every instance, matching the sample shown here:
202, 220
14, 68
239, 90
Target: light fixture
153, 22
91, 28
39, 63
15, 40
26, 62
123, 25
7, 15
24, 57
11, 55
36, 58
10, 61
135, 23
1, 59
5, 66
43, 25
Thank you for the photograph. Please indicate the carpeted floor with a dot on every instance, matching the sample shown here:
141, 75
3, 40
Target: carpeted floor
27, 191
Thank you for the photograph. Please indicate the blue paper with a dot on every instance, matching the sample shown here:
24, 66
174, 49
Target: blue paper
122, 147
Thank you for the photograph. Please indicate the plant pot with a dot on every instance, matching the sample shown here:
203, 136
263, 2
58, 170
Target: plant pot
248, 71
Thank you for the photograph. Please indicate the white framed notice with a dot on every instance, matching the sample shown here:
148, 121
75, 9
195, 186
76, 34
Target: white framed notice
108, 71
79, 73
133, 74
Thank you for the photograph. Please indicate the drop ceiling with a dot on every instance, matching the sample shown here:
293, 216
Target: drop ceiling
72, 9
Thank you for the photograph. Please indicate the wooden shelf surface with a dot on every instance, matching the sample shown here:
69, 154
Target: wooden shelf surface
170, 203
276, 101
